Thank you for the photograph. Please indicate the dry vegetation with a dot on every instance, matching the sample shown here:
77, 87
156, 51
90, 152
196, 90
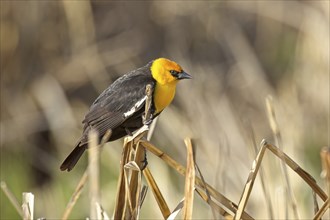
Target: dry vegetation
261, 71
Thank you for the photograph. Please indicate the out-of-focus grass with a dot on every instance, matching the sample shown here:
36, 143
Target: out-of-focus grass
57, 56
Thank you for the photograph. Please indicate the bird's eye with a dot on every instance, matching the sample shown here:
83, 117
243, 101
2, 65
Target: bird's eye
174, 73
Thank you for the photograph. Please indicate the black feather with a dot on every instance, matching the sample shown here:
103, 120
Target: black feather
107, 111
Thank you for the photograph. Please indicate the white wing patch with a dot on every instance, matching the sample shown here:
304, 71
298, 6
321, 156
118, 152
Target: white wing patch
135, 107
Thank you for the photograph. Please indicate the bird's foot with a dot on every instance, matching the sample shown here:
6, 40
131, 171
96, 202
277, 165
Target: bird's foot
144, 161
147, 122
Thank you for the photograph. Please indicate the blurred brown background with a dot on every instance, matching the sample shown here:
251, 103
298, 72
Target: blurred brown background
57, 56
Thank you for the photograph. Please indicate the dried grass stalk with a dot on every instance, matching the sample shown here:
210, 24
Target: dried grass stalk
213, 205
250, 181
325, 159
102, 213
82, 181
131, 148
189, 182
278, 142
135, 180
13, 200
297, 169
322, 210
157, 194
316, 205
208, 198
143, 194
289, 162
121, 190
75, 196
176, 211
264, 186
132, 199
93, 174
28, 205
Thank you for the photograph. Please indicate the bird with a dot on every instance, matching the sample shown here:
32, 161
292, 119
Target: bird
120, 108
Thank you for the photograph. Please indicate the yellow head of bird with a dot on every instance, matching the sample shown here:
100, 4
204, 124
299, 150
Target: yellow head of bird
165, 71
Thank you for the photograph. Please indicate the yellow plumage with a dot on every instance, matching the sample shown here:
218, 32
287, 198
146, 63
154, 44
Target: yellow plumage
166, 83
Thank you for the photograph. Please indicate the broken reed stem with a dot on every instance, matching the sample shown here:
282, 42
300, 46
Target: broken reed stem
316, 205
130, 144
289, 162
157, 194
325, 159
135, 179
325, 207
82, 181
213, 205
93, 174
189, 181
75, 196
102, 213
249, 184
121, 190
143, 194
12, 198
28, 205
278, 142
325, 174
208, 196
198, 182
176, 210
132, 190
297, 169
264, 186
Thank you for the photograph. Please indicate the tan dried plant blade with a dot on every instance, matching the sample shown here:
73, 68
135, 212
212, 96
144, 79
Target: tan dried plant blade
132, 198
221, 199
249, 183
126, 207
176, 211
325, 159
135, 180
101, 212
297, 169
157, 194
143, 194
121, 190
214, 205
208, 198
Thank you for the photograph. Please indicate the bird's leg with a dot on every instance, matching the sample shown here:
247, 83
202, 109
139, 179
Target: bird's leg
147, 121
128, 132
144, 161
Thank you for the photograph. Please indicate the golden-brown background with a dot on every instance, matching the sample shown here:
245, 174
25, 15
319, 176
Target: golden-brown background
57, 56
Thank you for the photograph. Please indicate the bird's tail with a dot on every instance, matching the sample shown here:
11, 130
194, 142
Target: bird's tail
73, 157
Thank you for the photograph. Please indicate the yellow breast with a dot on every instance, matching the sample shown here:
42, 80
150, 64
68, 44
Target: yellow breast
163, 95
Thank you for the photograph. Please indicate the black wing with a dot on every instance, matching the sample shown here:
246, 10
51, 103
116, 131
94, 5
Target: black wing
119, 102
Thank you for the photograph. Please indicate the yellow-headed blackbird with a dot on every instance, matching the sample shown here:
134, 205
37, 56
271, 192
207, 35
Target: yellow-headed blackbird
121, 106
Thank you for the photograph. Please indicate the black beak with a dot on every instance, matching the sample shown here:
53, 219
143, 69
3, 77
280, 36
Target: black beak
184, 75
